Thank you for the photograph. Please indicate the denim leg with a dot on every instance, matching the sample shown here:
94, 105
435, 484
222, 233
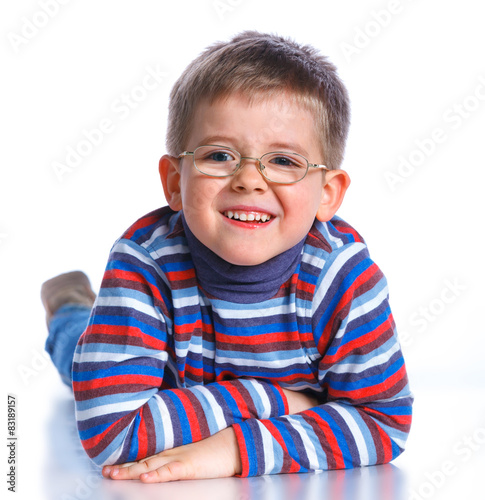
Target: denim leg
66, 326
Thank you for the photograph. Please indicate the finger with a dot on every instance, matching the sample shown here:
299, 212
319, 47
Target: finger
108, 469
171, 471
133, 471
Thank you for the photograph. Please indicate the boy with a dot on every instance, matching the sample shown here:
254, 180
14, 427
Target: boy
242, 330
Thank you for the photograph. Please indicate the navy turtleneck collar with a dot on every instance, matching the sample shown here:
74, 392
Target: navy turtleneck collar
241, 284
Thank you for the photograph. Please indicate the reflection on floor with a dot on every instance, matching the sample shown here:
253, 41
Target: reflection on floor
70, 475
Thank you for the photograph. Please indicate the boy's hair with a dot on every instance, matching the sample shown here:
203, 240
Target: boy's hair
259, 65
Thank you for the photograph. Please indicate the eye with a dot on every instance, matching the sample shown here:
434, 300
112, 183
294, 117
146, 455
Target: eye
215, 154
287, 161
220, 156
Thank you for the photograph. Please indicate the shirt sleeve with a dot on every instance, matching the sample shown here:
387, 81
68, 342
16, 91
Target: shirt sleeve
365, 412
129, 404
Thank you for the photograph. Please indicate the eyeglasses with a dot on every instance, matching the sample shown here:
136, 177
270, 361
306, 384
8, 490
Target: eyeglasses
279, 167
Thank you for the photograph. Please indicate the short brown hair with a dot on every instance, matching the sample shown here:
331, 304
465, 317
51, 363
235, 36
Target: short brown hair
258, 65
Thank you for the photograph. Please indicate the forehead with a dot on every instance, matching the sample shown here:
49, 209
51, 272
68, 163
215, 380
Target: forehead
255, 122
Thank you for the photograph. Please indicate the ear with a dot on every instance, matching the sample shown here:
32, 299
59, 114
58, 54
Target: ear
336, 184
170, 177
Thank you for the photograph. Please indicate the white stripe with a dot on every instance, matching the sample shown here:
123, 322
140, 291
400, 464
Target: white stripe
252, 362
268, 443
333, 271
355, 432
165, 249
93, 357
338, 241
254, 313
264, 399
130, 302
370, 305
209, 353
313, 260
399, 441
166, 424
307, 442
304, 312
113, 458
123, 247
215, 408
360, 367
107, 409
180, 302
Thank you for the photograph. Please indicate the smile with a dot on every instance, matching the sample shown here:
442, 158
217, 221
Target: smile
247, 216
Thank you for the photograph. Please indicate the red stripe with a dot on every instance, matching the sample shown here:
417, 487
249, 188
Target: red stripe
331, 440
386, 444
180, 275
243, 450
144, 380
142, 437
289, 464
306, 287
141, 223
371, 391
191, 415
130, 335
95, 440
358, 343
241, 404
255, 339
344, 304
127, 277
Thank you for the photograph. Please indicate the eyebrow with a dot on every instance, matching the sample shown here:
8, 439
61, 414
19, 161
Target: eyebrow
220, 140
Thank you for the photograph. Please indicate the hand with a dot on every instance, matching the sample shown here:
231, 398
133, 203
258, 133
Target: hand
215, 456
299, 401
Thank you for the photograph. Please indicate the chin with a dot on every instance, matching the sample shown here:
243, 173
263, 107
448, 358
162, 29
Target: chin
243, 260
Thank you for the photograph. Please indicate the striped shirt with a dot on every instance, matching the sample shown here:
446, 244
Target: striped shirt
163, 363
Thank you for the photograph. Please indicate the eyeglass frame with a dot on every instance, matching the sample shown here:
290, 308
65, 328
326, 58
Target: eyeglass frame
261, 167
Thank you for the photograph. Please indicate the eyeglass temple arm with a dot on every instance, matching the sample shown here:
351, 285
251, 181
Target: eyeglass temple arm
315, 165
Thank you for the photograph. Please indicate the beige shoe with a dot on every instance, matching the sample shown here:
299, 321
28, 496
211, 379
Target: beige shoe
67, 288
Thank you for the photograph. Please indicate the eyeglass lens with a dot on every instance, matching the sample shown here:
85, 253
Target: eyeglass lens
281, 167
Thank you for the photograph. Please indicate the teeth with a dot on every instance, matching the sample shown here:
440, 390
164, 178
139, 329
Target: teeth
249, 217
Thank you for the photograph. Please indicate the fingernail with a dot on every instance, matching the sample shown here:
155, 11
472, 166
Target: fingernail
114, 472
106, 471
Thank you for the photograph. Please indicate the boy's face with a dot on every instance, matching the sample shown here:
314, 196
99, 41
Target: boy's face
273, 124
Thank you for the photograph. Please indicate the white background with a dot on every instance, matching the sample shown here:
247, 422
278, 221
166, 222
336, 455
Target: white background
415, 71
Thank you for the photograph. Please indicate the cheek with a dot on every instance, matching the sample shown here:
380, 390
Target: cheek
301, 207
199, 193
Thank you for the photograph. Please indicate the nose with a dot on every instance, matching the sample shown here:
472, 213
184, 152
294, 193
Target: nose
249, 177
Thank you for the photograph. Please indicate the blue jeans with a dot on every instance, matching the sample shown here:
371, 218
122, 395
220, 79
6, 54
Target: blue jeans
66, 326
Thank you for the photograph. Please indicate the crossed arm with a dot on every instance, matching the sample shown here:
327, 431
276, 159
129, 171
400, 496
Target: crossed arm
215, 456
244, 426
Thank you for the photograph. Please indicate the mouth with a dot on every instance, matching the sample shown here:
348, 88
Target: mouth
248, 216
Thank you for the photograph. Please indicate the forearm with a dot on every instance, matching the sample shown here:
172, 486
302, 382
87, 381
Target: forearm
159, 420
330, 436
190, 414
